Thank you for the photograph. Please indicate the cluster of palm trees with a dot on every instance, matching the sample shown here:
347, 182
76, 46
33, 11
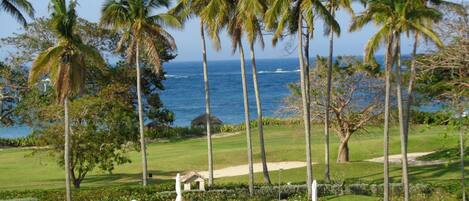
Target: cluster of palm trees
143, 31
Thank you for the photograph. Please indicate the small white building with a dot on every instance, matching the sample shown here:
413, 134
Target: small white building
193, 177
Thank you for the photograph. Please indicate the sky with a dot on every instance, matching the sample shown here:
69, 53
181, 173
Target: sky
189, 43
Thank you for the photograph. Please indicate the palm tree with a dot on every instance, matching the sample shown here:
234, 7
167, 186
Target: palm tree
141, 29
65, 64
394, 17
186, 9
250, 13
283, 14
333, 6
433, 15
15, 9
235, 31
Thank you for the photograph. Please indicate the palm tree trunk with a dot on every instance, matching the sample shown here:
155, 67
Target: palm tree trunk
306, 117
405, 175
327, 174
389, 63
207, 106
307, 69
265, 170
461, 154
413, 73
67, 151
140, 119
246, 118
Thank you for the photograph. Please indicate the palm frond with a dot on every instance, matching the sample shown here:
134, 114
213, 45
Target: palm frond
374, 43
360, 21
43, 63
324, 13
131, 51
153, 54
280, 27
428, 33
183, 10
166, 20
277, 8
62, 81
91, 55
14, 8
115, 15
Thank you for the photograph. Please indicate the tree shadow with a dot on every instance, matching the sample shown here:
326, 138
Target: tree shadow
159, 177
420, 173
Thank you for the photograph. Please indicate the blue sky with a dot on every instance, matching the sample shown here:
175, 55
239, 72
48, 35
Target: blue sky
188, 39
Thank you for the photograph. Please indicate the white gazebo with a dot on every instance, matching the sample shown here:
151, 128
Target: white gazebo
193, 177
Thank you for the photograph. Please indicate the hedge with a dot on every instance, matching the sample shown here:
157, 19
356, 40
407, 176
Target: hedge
27, 141
178, 133
228, 192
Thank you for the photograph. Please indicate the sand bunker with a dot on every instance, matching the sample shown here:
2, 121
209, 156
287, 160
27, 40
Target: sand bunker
411, 157
243, 169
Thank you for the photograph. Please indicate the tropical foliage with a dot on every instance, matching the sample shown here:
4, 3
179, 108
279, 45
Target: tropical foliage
18, 9
99, 102
141, 29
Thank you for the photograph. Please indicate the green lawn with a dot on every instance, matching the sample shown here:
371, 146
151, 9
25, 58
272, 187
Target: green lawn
19, 169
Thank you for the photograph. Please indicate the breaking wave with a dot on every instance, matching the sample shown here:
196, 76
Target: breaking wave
279, 70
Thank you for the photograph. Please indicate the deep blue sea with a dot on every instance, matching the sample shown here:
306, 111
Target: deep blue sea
184, 93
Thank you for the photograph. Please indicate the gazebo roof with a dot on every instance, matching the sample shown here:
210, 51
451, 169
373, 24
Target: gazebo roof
189, 176
201, 120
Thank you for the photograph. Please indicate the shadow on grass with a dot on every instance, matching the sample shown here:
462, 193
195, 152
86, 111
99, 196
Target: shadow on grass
421, 173
124, 179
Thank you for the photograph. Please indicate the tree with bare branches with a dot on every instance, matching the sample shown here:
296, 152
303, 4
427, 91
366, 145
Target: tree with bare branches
356, 98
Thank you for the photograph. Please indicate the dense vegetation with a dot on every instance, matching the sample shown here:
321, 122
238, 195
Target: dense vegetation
86, 111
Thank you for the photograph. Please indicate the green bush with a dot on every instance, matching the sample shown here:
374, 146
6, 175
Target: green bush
175, 133
431, 118
27, 141
228, 128
222, 192
178, 133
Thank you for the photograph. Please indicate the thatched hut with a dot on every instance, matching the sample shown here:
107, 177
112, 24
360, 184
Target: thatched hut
154, 125
201, 121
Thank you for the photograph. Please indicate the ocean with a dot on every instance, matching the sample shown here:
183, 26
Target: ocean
184, 93
184, 90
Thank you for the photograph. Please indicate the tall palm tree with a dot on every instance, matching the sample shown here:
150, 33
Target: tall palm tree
16, 8
65, 64
142, 30
283, 14
235, 31
204, 9
431, 15
250, 13
184, 10
426, 22
393, 17
333, 6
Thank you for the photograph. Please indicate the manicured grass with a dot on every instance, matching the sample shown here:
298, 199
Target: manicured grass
19, 169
